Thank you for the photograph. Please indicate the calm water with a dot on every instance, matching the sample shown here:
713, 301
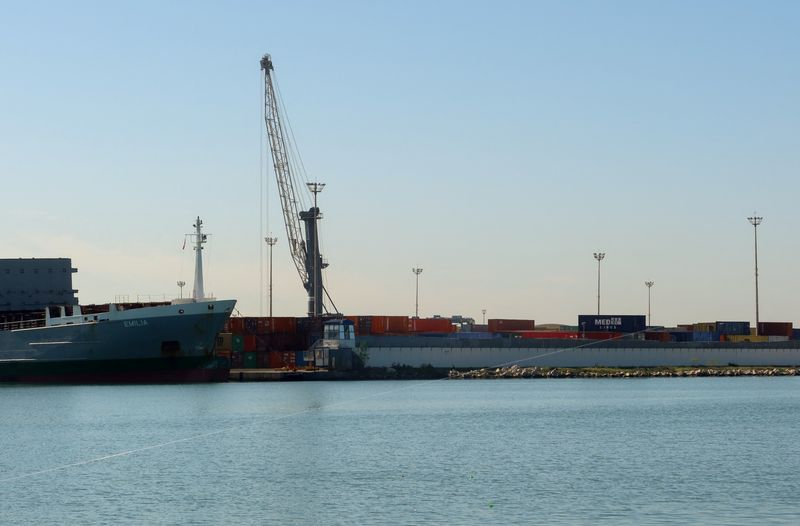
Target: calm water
655, 451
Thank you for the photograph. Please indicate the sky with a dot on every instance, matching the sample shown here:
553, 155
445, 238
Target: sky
496, 145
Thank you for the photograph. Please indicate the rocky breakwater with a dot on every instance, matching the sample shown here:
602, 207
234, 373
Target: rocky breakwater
515, 371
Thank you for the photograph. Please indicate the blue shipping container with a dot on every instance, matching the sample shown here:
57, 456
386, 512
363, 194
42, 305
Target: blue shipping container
796, 334
705, 336
681, 336
739, 328
611, 323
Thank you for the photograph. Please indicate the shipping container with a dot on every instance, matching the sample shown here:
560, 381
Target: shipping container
237, 343
480, 328
236, 325
249, 343
737, 328
708, 326
772, 328
796, 334
705, 337
250, 360
224, 341
502, 325
397, 324
682, 336
741, 338
612, 322
250, 325
777, 338
263, 360
658, 336
432, 325
287, 325
237, 360
275, 359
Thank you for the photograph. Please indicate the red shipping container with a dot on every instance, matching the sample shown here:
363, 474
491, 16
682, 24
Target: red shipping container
773, 328
249, 343
658, 336
283, 325
432, 325
275, 359
236, 325
511, 325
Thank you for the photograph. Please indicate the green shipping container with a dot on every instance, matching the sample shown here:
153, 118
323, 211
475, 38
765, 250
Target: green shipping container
250, 360
237, 343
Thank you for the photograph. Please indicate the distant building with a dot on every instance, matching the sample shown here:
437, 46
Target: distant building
33, 284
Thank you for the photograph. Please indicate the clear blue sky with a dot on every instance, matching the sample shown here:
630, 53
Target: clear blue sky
495, 144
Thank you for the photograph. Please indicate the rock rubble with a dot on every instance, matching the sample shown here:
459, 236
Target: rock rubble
516, 371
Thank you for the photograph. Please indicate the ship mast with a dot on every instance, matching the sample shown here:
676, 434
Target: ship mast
199, 239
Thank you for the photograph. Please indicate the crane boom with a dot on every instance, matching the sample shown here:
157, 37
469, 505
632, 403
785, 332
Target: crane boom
280, 163
304, 250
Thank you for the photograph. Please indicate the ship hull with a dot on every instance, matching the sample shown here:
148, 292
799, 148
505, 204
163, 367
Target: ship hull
168, 343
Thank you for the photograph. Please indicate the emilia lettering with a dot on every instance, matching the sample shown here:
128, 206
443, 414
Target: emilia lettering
135, 323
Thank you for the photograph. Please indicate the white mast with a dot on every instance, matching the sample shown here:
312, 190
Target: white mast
199, 239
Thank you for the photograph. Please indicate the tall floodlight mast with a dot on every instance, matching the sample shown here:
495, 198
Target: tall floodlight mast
649, 285
304, 250
599, 257
755, 221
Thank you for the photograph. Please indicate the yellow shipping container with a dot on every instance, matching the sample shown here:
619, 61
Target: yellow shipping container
739, 338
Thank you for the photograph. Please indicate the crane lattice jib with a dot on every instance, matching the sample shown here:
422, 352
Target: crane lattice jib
280, 162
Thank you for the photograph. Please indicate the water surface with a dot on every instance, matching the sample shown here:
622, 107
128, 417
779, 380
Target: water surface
652, 451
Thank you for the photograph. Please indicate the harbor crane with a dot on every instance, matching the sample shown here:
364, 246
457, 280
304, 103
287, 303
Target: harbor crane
304, 248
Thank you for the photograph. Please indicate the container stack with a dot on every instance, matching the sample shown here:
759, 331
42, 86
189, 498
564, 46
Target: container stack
263, 342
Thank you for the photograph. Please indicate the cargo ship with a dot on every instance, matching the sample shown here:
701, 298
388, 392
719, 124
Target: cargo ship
46, 337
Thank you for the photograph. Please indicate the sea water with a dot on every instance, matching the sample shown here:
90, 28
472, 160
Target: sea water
643, 451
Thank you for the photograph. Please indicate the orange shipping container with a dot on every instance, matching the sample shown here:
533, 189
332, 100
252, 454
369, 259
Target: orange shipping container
397, 324
378, 325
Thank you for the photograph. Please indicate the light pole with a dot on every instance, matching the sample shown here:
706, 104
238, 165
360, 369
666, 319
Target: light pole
484, 316
316, 188
417, 272
755, 221
599, 257
271, 242
649, 286
181, 284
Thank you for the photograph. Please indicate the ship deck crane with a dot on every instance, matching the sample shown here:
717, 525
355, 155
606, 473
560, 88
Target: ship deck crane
304, 248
